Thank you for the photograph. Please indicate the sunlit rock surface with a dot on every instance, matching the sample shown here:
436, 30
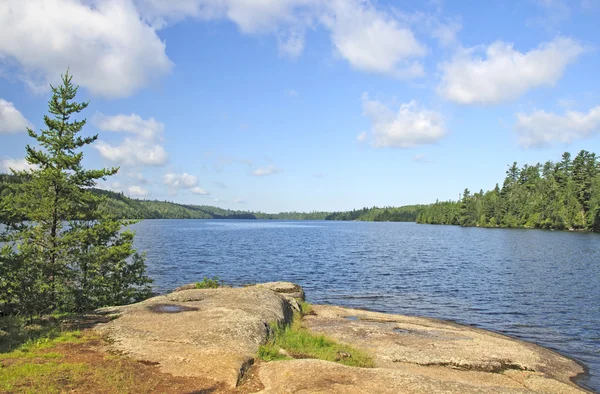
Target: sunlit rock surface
216, 333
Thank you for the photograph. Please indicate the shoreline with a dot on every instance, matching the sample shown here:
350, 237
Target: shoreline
443, 353
586, 370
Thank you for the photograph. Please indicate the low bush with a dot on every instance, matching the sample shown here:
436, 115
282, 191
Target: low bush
208, 283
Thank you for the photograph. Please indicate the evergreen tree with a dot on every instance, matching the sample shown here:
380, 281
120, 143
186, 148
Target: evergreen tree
60, 252
565, 195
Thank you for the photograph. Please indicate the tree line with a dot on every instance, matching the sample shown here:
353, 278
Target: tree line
563, 195
122, 207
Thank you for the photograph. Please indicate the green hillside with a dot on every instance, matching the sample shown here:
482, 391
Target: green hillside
124, 207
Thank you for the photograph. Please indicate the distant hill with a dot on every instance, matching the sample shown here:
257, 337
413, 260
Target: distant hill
124, 207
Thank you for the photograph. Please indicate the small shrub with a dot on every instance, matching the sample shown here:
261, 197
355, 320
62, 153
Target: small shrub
208, 283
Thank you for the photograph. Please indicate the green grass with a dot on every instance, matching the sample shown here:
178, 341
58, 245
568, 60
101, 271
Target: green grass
27, 366
299, 342
208, 283
49, 377
305, 308
15, 333
32, 347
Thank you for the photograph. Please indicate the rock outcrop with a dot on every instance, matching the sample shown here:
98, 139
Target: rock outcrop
422, 355
212, 333
216, 333
285, 288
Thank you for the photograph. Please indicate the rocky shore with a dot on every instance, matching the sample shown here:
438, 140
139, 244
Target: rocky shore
216, 334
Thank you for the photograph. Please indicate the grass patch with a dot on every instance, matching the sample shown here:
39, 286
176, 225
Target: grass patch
48, 377
32, 348
71, 361
305, 308
208, 283
18, 333
29, 367
298, 342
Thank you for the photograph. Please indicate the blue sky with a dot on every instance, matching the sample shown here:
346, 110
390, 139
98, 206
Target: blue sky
280, 105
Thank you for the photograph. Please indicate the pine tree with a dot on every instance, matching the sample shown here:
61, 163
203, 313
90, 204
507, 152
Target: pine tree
60, 252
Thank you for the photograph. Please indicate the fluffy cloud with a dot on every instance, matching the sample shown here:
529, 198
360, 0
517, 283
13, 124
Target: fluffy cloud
371, 40
11, 120
541, 128
184, 180
199, 191
137, 191
147, 129
113, 48
407, 127
105, 44
142, 149
238, 201
287, 19
266, 170
505, 73
368, 38
16, 164
133, 152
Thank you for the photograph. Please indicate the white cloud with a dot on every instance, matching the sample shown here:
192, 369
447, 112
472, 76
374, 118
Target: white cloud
372, 40
11, 120
133, 152
362, 136
220, 185
16, 164
287, 19
408, 127
505, 73
541, 128
143, 149
183, 180
292, 93
199, 191
106, 45
137, 191
238, 201
267, 170
147, 129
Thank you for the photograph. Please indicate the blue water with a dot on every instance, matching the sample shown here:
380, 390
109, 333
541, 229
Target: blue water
540, 286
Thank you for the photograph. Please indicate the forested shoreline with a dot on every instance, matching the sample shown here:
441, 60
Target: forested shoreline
563, 195
122, 207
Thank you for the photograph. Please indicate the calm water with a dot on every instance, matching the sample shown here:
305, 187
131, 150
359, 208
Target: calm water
537, 285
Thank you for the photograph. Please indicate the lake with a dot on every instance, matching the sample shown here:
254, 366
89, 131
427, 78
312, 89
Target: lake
541, 286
